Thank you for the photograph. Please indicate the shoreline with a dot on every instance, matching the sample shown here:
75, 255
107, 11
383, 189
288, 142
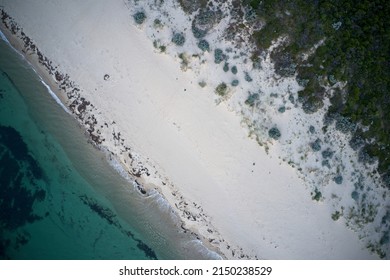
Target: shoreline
62, 98
83, 110
114, 162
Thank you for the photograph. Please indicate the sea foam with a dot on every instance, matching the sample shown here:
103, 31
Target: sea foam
55, 97
2, 36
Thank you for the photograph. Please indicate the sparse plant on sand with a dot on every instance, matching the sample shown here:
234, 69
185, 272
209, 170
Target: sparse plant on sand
221, 89
274, 133
178, 39
204, 45
139, 17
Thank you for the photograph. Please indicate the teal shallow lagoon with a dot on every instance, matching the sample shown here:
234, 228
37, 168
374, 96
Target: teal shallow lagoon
59, 197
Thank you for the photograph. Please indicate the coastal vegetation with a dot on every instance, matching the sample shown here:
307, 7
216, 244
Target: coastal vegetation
219, 56
235, 82
274, 133
139, 17
338, 53
204, 45
336, 49
221, 89
178, 39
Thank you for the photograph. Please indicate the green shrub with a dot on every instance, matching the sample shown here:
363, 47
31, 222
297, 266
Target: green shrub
178, 39
204, 45
336, 215
274, 133
235, 83
139, 17
221, 89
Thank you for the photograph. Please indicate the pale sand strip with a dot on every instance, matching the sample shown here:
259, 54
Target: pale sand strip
252, 199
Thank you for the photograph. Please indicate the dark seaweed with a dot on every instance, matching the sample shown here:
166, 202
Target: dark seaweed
18, 189
17, 200
111, 218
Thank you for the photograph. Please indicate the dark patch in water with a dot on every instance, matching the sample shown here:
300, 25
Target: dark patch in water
16, 182
21, 240
10, 138
108, 215
104, 212
4, 243
146, 249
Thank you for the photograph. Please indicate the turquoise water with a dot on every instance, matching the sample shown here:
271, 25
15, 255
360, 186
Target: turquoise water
59, 197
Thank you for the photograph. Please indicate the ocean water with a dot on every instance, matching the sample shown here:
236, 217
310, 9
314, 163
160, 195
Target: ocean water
59, 196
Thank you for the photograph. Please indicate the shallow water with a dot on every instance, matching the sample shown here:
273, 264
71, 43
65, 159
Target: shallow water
59, 196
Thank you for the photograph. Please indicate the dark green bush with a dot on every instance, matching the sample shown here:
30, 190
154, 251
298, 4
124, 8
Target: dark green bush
274, 133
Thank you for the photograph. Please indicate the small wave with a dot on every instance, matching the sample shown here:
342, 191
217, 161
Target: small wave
190, 245
117, 166
55, 97
204, 251
163, 206
2, 36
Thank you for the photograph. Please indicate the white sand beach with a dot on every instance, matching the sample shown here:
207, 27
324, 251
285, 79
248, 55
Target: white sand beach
240, 200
